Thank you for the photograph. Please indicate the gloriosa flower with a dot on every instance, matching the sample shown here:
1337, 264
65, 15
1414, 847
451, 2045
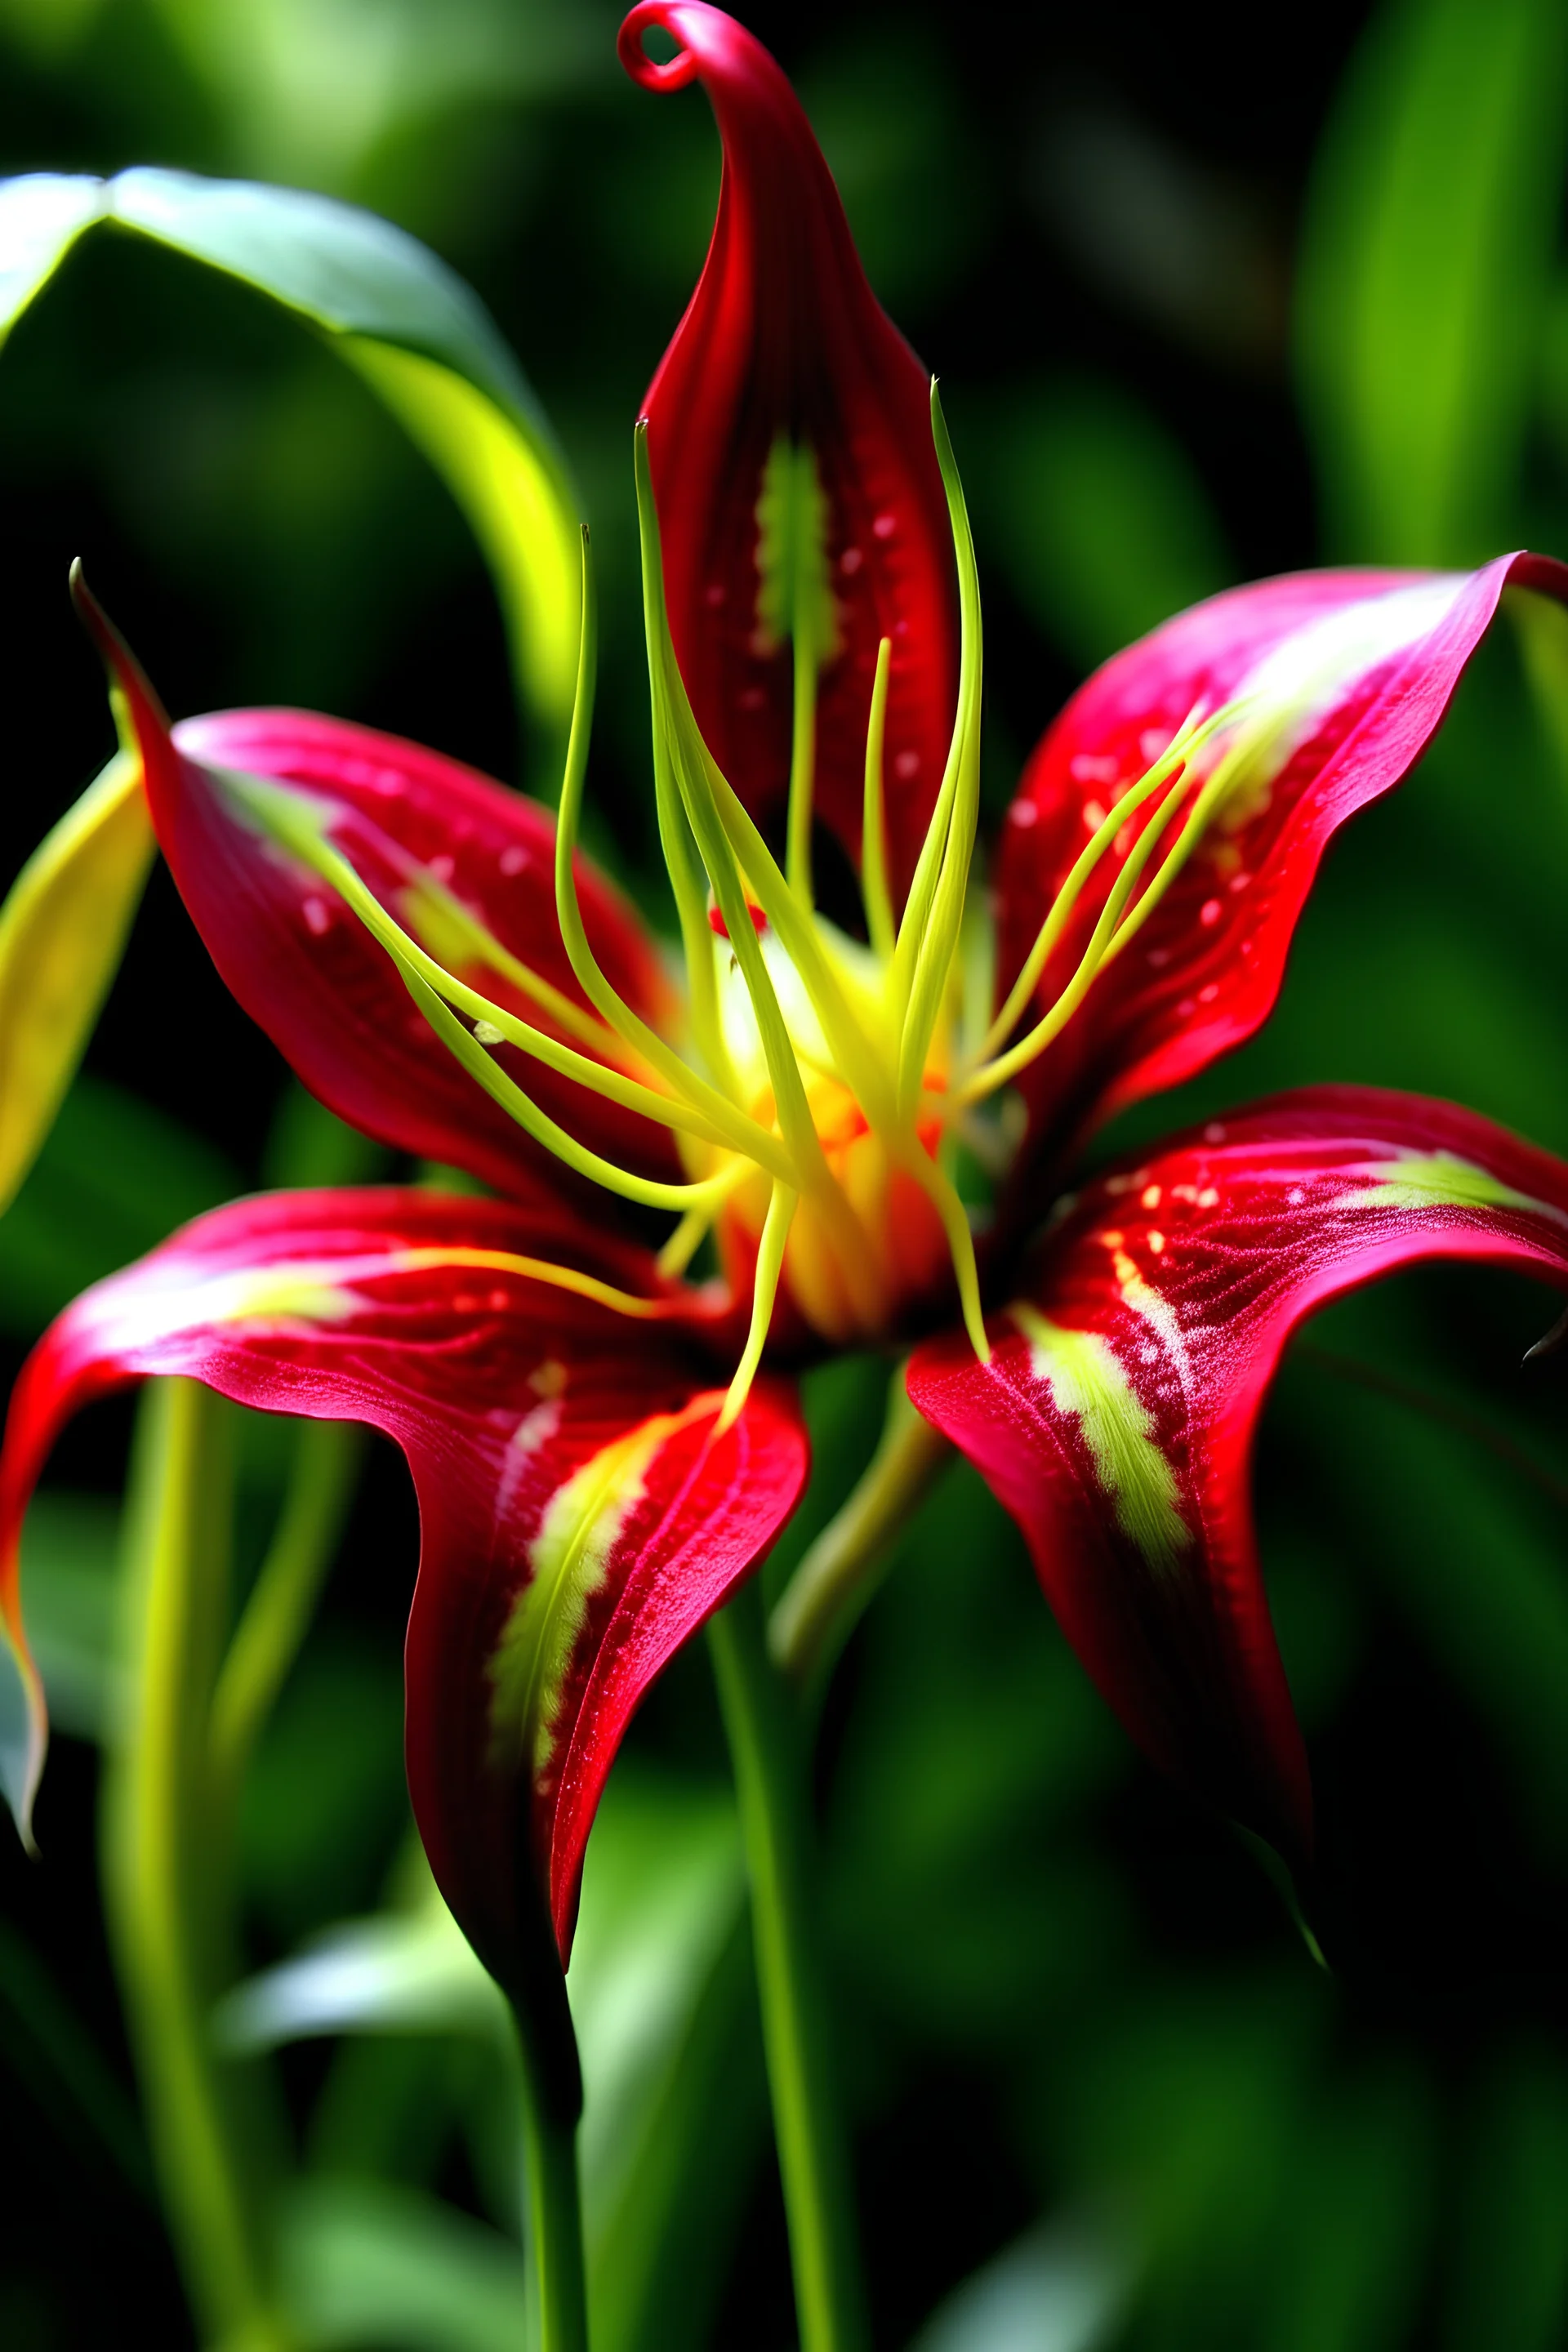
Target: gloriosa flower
603, 1448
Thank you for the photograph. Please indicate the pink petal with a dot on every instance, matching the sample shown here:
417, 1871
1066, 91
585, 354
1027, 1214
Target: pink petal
408, 1310
1359, 666
1115, 1420
783, 336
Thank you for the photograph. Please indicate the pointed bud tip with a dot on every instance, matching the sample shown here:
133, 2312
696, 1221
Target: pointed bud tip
124, 670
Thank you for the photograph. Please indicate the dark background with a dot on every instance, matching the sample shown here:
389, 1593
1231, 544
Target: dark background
1138, 249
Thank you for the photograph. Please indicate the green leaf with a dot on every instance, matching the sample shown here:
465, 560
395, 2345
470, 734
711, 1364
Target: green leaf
1061, 2288
62, 933
1430, 228
41, 216
360, 2262
419, 337
1347, 2273
661, 1987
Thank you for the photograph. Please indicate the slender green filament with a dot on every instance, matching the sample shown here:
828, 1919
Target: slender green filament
781, 1207
815, 1068
874, 823
1111, 933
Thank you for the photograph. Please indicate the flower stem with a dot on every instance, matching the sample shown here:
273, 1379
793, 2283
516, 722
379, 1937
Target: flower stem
764, 1744
165, 1856
838, 1573
322, 1476
549, 2141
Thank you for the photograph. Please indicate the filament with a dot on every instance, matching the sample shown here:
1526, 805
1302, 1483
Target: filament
764, 1292
874, 890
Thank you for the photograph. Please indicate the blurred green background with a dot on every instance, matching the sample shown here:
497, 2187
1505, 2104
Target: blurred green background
1204, 307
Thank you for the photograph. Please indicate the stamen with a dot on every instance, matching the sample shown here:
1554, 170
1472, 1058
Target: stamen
935, 911
285, 821
852, 1049
459, 927
719, 1102
873, 828
688, 1236
650, 1190
1109, 932
794, 600
1186, 741
684, 867
533, 1269
764, 1291
692, 769
954, 1216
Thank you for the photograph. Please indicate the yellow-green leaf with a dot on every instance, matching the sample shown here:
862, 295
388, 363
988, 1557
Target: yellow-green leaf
411, 328
62, 932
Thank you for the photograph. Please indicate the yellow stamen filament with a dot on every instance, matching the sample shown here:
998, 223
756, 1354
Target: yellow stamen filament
1110, 933
821, 1075
874, 823
764, 1292
483, 1261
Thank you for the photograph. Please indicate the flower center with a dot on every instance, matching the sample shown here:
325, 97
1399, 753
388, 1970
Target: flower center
866, 1240
825, 1086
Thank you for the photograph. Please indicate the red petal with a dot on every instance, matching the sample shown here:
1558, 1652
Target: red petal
1119, 1435
304, 968
783, 336
1204, 972
501, 1388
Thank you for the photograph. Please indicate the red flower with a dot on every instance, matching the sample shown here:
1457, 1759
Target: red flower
599, 1455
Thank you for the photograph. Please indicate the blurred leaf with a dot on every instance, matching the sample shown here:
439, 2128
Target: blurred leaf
1473, 1557
661, 1892
41, 216
1430, 228
1543, 626
1062, 2288
420, 338
70, 1560
325, 1802
307, 1144
1508, 2284
674, 2110
366, 2264
960, 1898
665, 2023
311, 87
62, 933
400, 1971
1182, 2110
1094, 512
1358, 2218
113, 1178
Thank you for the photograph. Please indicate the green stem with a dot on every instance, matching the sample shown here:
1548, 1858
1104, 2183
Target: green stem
549, 2141
165, 1844
838, 1573
282, 1601
814, 2159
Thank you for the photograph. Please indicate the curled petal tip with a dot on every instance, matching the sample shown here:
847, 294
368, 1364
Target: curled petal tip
651, 73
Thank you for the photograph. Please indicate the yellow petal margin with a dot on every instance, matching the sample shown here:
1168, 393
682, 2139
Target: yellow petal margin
62, 932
